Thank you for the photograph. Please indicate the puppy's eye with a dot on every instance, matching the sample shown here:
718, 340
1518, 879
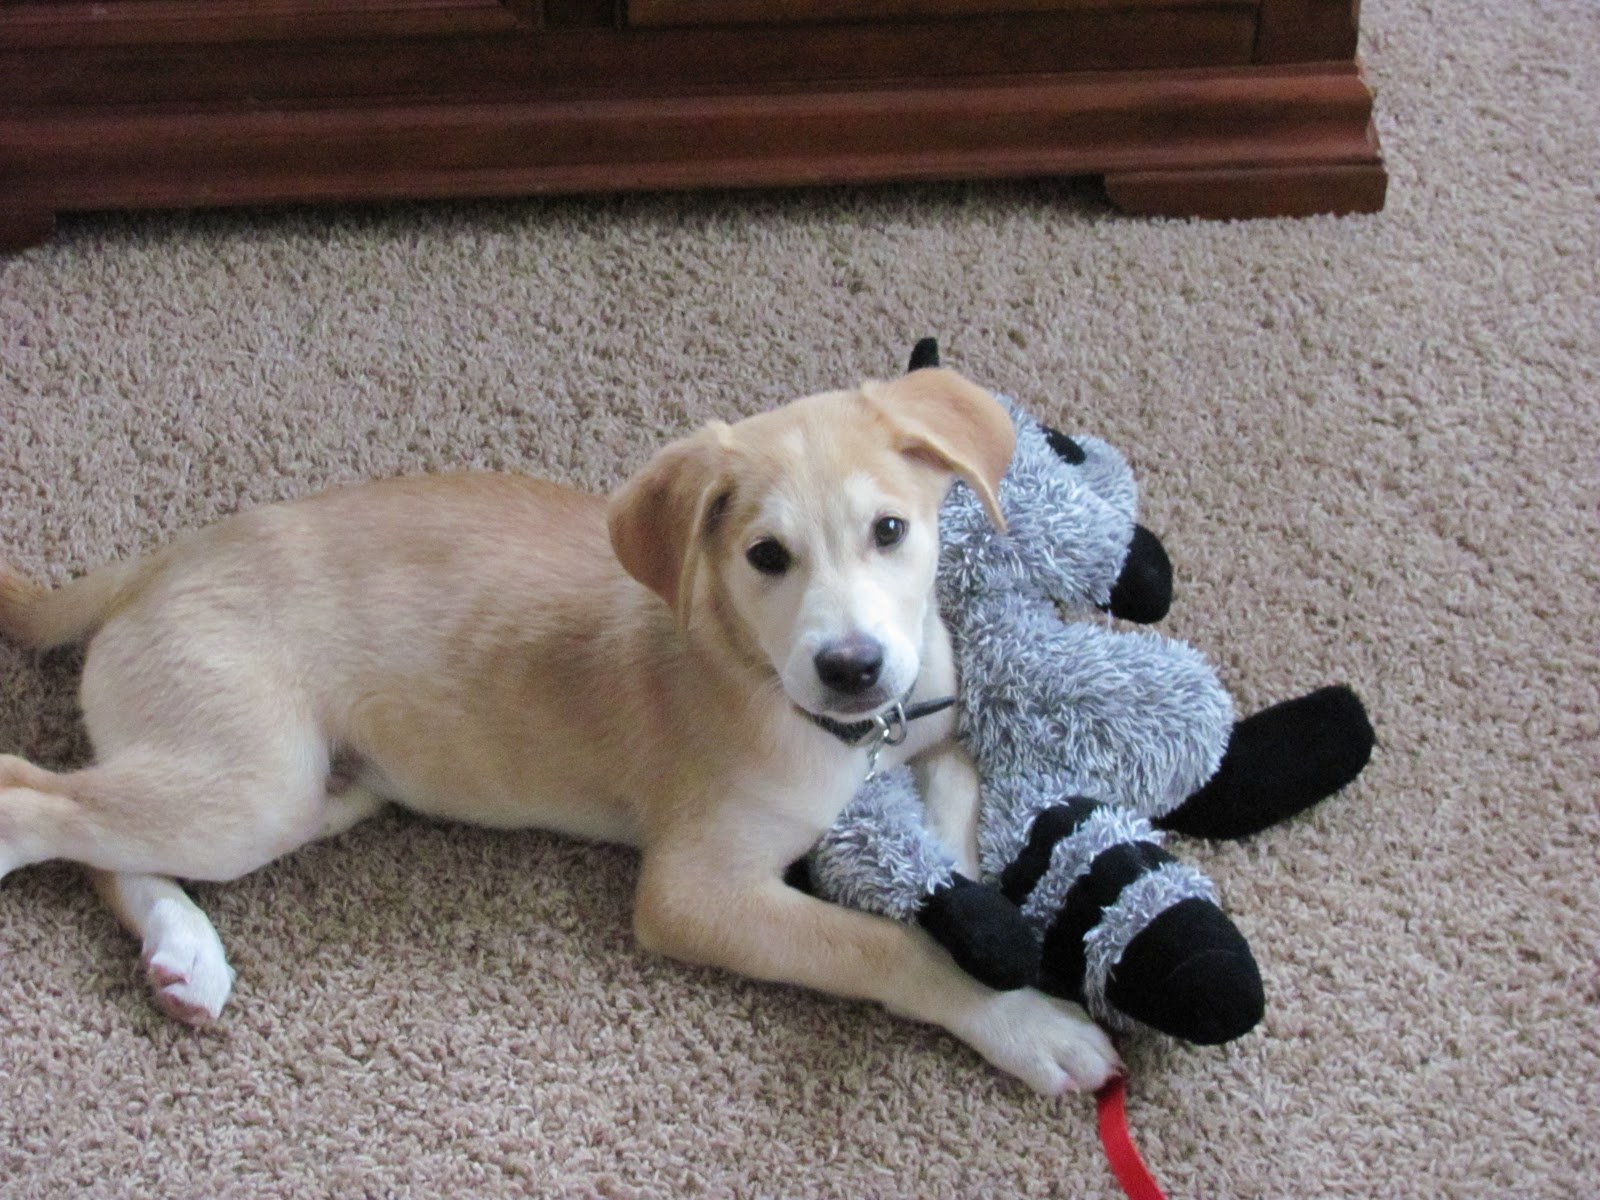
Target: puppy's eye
889, 531
768, 556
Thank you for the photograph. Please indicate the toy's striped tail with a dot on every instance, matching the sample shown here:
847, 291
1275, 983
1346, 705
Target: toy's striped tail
1128, 931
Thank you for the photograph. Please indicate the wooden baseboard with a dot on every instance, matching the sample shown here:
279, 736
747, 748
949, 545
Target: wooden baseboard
23, 227
1234, 141
1237, 193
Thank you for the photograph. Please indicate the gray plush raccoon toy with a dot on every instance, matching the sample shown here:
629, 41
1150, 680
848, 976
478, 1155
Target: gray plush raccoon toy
1086, 740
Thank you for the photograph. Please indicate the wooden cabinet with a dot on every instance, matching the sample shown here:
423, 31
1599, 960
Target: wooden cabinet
1212, 107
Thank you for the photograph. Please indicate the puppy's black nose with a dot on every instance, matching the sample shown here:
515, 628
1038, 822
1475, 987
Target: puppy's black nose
851, 665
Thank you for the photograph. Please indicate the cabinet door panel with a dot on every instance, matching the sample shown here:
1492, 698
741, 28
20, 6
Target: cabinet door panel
1308, 30
102, 22
767, 12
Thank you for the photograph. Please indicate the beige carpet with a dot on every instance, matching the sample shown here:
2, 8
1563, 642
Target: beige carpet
1370, 445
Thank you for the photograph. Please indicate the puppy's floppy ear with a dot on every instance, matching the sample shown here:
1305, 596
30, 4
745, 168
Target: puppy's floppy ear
952, 422
658, 519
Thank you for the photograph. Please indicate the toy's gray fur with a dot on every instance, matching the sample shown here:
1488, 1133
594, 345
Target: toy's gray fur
1051, 707
1066, 541
1054, 708
879, 856
1103, 471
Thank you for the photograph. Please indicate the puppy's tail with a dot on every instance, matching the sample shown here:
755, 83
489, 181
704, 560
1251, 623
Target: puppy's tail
36, 616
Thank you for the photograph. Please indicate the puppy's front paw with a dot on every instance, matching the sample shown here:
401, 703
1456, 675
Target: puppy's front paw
1049, 1044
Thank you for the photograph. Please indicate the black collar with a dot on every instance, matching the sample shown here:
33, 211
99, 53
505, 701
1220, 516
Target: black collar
857, 732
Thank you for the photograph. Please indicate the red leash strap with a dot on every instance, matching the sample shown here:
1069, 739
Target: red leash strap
1121, 1153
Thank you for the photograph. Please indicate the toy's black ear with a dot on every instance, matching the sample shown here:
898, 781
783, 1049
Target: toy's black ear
924, 354
1068, 450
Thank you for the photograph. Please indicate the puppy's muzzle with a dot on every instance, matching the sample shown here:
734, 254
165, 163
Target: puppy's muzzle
851, 665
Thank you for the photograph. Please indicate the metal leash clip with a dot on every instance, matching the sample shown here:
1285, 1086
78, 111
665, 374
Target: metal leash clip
890, 731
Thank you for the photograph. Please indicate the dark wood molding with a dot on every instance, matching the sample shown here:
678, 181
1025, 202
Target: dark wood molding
1238, 193
1122, 125
172, 103
24, 227
605, 63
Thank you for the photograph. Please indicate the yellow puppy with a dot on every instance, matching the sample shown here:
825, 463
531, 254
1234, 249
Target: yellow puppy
676, 670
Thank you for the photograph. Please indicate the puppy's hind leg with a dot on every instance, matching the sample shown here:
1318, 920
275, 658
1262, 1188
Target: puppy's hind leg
29, 808
182, 955
137, 819
149, 812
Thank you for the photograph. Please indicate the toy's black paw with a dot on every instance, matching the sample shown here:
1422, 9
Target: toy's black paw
1190, 973
1280, 762
798, 876
924, 354
984, 932
1143, 592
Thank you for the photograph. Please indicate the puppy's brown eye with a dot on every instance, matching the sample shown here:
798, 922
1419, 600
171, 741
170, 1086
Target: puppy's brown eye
768, 556
889, 531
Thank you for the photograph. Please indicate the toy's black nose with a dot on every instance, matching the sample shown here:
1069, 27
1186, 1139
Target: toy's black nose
851, 665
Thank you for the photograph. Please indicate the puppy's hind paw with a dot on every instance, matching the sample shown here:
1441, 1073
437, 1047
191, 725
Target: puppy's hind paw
189, 984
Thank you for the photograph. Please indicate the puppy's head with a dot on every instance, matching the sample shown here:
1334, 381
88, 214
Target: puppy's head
806, 540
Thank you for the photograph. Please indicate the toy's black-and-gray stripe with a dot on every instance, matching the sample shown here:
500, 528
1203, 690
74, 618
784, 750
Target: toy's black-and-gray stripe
1092, 877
